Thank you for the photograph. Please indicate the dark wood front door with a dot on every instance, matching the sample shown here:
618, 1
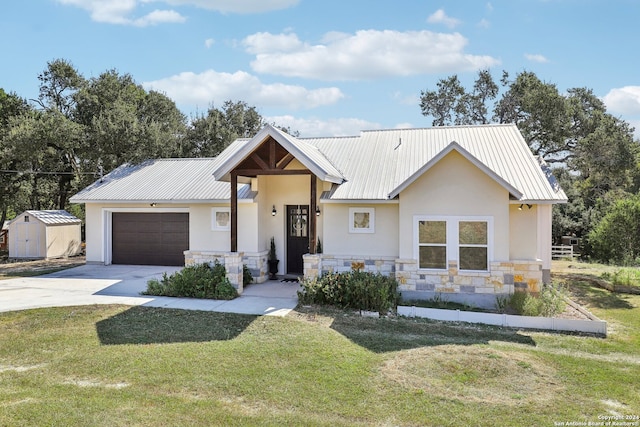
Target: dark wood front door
297, 237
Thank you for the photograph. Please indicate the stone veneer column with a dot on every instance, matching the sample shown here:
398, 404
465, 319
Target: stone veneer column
312, 265
233, 264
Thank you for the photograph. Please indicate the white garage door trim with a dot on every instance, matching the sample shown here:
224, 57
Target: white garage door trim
107, 226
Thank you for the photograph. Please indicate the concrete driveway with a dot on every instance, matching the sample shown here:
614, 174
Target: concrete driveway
121, 284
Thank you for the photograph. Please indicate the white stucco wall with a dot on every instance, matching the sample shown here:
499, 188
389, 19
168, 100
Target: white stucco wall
455, 187
523, 226
203, 238
280, 191
337, 240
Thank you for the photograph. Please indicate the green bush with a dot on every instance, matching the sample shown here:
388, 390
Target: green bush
616, 238
355, 289
197, 281
549, 303
247, 277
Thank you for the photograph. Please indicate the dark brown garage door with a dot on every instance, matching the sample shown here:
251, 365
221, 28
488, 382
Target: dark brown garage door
149, 238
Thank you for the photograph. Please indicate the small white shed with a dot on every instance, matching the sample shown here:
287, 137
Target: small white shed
44, 235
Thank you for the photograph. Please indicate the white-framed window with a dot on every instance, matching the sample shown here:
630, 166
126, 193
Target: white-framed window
220, 219
467, 240
362, 220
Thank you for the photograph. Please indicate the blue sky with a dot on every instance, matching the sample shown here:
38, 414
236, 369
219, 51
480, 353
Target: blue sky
330, 67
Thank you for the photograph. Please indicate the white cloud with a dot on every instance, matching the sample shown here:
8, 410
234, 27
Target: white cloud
269, 43
120, 11
209, 42
439, 17
536, 58
203, 89
405, 125
159, 17
624, 100
234, 6
314, 127
484, 23
367, 54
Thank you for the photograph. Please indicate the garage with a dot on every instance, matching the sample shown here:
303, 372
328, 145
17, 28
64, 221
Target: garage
149, 238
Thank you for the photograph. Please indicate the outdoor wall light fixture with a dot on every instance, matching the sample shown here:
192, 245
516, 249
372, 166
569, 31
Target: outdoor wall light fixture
153, 205
317, 211
273, 211
520, 207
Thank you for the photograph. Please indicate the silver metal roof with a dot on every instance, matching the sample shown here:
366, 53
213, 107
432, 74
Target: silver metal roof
374, 166
49, 217
162, 181
378, 164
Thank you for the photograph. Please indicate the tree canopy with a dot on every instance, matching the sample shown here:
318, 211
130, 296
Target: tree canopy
78, 129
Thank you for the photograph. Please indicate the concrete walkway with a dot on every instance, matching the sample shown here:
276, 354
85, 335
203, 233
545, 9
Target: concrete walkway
122, 284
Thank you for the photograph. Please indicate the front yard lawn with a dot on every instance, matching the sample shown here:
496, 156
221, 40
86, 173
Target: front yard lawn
117, 366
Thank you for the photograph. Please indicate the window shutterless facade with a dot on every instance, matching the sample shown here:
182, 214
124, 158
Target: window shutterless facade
466, 240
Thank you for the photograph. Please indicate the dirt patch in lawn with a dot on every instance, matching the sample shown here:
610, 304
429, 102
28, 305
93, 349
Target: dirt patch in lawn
473, 374
37, 267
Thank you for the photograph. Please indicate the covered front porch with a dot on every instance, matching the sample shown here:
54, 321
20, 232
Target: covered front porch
286, 176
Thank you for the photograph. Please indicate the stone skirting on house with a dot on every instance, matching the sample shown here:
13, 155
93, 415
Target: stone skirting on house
257, 264
232, 262
502, 278
319, 264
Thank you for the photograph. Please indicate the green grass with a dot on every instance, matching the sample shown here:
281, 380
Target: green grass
122, 366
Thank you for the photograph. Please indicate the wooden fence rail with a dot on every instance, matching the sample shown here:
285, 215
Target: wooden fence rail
562, 251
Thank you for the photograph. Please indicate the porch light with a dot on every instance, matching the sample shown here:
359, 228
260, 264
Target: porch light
273, 211
520, 207
152, 205
317, 210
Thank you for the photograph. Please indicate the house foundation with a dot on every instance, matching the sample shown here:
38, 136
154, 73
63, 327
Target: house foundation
503, 278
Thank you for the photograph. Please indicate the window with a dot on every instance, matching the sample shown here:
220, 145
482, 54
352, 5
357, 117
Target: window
466, 240
220, 219
361, 220
2, 239
472, 245
26, 218
432, 242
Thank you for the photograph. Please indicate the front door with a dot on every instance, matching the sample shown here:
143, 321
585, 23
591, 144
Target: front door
297, 237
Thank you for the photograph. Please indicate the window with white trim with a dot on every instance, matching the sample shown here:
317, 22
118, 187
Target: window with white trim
466, 240
473, 245
362, 220
220, 219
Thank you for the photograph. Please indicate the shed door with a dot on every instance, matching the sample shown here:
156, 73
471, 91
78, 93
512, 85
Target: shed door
27, 240
149, 238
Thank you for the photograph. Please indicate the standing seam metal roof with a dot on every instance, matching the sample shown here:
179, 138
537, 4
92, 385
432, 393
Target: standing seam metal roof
365, 167
164, 180
50, 217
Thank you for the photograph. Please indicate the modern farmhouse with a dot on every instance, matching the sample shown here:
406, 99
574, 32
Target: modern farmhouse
464, 210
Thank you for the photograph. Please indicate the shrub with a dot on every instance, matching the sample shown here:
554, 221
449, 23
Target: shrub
549, 303
247, 277
355, 289
197, 281
616, 238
